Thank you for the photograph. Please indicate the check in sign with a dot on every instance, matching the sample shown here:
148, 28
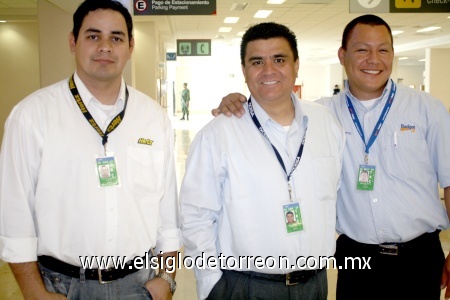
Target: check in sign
399, 6
194, 47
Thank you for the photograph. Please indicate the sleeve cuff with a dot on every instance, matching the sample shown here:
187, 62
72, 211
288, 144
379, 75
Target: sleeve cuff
18, 250
170, 241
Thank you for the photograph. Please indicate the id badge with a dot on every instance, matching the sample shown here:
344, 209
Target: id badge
366, 178
292, 217
107, 171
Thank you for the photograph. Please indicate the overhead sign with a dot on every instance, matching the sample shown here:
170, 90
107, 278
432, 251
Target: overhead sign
399, 6
194, 47
174, 7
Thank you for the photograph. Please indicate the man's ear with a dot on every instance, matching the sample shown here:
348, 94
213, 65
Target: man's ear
72, 42
131, 45
341, 55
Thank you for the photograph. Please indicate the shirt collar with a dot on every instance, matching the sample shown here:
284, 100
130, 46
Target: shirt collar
382, 98
263, 117
88, 98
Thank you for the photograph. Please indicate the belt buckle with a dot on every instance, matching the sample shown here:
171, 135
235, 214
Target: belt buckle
100, 279
388, 249
288, 280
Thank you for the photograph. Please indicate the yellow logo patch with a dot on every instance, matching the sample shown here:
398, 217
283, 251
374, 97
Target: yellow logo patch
145, 141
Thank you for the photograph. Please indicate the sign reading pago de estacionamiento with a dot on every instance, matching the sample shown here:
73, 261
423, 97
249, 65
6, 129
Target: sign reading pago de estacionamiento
174, 7
399, 6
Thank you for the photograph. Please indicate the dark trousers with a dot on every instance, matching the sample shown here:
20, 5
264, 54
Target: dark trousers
414, 273
234, 285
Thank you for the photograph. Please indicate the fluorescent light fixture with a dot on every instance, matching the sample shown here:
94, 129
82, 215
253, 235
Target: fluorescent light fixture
236, 40
431, 28
224, 29
231, 20
2, 21
423, 59
403, 58
275, 1
395, 32
262, 14
240, 33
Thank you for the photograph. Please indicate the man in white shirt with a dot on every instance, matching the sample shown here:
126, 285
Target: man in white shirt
244, 174
58, 215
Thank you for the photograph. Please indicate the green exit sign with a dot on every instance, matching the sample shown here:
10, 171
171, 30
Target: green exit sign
193, 47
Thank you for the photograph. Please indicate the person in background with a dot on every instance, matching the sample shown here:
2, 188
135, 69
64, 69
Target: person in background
243, 175
336, 90
54, 224
401, 136
185, 98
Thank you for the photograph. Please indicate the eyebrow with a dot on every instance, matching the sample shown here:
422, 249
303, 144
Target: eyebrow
253, 58
115, 32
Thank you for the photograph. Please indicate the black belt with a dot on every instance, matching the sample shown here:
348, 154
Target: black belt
102, 275
292, 278
393, 248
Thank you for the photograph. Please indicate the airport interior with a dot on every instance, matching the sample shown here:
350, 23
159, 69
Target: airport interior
34, 53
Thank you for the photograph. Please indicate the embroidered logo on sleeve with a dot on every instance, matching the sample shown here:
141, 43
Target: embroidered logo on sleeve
407, 127
145, 141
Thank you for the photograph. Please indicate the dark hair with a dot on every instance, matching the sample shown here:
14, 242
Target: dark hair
371, 20
92, 5
264, 31
289, 213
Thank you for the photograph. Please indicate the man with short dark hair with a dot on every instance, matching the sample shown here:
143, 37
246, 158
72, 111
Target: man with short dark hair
57, 226
285, 155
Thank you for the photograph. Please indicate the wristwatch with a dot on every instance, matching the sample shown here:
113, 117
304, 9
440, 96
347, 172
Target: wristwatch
172, 283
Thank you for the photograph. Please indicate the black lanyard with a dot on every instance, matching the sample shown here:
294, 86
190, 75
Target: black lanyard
280, 160
112, 125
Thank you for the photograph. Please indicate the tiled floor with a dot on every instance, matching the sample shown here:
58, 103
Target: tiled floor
184, 134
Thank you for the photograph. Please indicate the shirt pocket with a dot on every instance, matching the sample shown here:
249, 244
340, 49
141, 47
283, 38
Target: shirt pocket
325, 178
146, 171
406, 155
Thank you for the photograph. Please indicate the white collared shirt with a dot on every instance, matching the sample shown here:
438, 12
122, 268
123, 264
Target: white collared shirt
234, 189
51, 202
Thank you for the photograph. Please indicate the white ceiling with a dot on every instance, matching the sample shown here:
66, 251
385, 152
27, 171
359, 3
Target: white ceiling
318, 26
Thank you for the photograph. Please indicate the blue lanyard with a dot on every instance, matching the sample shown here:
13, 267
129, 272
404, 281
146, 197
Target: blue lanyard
280, 160
380, 122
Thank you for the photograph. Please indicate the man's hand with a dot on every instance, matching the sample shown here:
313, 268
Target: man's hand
231, 104
159, 289
28, 276
445, 279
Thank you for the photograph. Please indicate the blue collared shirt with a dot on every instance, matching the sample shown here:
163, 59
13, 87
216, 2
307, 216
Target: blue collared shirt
411, 155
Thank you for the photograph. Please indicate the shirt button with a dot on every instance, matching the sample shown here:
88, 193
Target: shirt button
375, 200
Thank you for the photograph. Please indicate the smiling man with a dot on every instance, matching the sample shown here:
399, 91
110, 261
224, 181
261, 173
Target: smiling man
243, 176
76, 184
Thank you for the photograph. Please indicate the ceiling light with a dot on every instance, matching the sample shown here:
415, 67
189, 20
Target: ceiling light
2, 21
236, 40
231, 20
395, 32
403, 58
431, 28
225, 29
240, 33
262, 14
275, 1
423, 59
238, 6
